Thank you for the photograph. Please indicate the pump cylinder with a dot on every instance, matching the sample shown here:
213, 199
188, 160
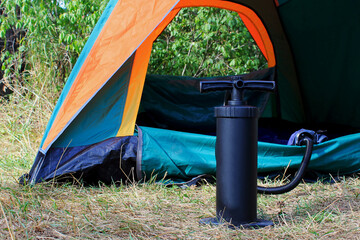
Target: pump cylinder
236, 163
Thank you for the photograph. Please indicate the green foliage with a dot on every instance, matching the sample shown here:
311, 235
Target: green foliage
205, 42
53, 35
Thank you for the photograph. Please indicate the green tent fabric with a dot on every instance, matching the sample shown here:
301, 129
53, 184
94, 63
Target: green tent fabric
324, 37
175, 102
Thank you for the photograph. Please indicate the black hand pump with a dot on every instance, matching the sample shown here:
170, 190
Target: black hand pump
236, 153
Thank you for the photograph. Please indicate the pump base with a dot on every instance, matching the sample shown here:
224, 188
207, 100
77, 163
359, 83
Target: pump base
217, 222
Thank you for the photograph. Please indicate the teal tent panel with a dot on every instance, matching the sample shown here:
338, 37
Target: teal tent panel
324, 36
337, 156
80, 61
180, 156
101, 118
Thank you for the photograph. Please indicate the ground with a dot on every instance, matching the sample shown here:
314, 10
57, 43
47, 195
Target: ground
152, 211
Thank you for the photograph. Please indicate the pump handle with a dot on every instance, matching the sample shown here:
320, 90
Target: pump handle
240, 84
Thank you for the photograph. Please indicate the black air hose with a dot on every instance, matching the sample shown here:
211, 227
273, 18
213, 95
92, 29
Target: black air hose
299, 175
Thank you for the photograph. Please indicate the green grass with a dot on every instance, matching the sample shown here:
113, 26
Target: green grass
147, 211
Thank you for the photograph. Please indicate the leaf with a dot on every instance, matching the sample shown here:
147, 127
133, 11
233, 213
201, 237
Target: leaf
21, 49
61, 37
2, 33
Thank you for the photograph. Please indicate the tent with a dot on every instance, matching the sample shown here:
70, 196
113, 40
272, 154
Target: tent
311, 50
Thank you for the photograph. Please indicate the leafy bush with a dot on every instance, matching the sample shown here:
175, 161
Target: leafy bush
55, 35
205, 42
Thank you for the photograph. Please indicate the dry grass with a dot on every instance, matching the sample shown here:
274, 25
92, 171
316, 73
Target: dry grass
146, 211
150, 211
